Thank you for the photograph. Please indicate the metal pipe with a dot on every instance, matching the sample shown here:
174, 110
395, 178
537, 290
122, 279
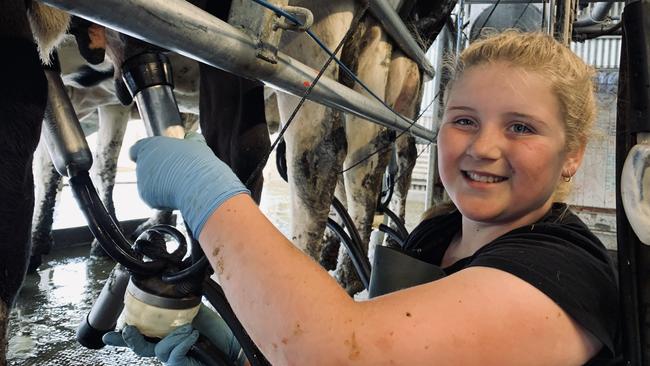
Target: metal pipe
442, 47
596, 30
460, 18
550, 23
184, 28
468, 13
397, 30
148, 77
598, 13
159, 110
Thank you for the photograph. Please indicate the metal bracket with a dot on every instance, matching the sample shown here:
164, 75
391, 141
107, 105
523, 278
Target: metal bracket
298, 12
261, 24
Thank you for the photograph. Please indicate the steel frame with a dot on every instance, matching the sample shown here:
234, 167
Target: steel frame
184, 28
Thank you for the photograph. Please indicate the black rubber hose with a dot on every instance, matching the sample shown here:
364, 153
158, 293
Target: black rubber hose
214, 293
188, 273
347, 223
355, 250
392, 233
384, 198
209, 354
105, 229
177, 235
401, 229
363, 270
197, 253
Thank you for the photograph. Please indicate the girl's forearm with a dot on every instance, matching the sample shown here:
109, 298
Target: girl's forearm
279, 294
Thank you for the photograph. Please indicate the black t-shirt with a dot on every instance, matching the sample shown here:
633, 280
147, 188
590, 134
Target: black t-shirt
558, 255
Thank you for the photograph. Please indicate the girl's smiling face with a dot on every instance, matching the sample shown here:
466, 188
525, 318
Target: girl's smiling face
501, 145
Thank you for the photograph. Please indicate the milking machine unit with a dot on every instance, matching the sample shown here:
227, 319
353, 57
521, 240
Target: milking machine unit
633, 168
150, 288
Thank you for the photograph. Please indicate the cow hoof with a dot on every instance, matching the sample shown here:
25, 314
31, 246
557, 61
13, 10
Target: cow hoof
96, 250
354, 287
329, 253
348, 279
35, 261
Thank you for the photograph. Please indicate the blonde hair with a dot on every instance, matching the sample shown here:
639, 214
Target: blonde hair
570, 78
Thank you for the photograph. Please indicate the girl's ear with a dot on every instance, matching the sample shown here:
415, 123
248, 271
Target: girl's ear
573, 161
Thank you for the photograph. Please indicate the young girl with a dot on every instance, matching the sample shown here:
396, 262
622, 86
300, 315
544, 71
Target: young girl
526, 282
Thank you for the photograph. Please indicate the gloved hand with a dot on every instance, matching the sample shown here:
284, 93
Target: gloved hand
172, 350
185, 175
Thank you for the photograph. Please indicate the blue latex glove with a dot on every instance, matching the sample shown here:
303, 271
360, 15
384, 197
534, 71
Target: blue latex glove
172, 350
184, 175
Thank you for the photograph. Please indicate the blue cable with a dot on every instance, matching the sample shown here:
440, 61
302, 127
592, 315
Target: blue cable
320, 43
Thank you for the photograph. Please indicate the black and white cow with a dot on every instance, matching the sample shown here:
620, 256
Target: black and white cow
323, 142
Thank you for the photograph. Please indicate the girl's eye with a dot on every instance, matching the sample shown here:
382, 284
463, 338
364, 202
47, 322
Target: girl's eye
463, 122
521, 129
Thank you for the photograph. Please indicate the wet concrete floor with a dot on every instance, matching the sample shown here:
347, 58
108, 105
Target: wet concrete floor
49, 308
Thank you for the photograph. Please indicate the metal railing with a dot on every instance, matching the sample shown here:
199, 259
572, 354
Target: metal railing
184, 28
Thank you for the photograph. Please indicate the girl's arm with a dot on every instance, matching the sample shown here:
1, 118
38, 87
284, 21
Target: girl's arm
298, 314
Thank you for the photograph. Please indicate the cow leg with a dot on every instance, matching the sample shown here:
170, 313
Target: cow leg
112, 126
315, 151
190, 122
233, 123
404, 94
406, 156
316, 140
23, 96
48, 184
370, 51
271, 111
331, 242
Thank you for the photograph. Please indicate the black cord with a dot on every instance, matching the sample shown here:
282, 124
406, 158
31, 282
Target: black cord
357, 255
490, 15
416, 157
322, 45
514, 25
393, 234
386, 146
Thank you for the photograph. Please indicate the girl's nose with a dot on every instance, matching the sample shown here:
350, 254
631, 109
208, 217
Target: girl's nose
485, 144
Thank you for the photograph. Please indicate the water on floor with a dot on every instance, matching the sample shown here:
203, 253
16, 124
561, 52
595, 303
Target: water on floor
49, 308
